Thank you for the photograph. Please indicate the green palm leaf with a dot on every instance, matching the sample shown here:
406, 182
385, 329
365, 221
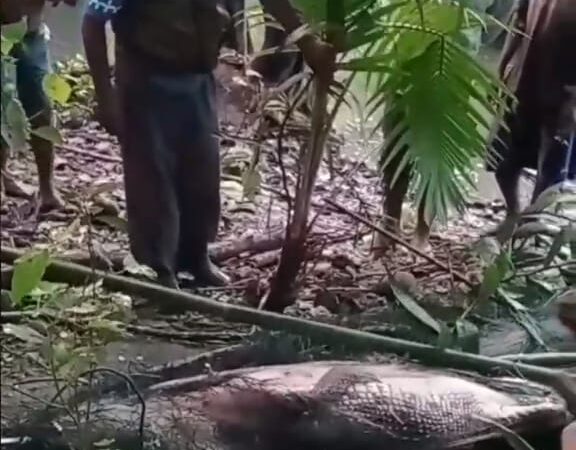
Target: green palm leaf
434, 101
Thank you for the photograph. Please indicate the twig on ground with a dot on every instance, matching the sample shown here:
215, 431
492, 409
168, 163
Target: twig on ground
250, 245
48, 404
239, 285
400, 241
37, 380
544, 359
185, 335
128, 380
531, 273
89, 154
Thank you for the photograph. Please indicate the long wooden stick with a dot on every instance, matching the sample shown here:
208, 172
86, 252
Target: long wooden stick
400, 241
59, 271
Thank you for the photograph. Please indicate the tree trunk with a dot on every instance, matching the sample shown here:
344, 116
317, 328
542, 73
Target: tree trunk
294, 248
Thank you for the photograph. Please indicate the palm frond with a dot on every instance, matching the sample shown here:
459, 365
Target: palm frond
434, 101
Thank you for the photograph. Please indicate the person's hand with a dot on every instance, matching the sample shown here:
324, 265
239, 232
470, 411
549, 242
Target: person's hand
319, 55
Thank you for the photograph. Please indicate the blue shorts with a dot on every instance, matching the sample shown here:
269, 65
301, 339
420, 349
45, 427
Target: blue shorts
32, 65
559, 159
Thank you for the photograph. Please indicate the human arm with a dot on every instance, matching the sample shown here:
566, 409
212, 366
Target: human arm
98, 13
319, 55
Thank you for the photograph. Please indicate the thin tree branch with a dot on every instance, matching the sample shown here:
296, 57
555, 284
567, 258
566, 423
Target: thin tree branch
398, 240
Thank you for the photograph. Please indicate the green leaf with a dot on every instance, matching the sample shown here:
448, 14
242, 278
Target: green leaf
15, 125
493, 276
415, 309
559, 241
107, 330
490, 282
57, 88
436, 113
467, 336
522, 317
251, 182
445, 337
28, 273
14, 32
61, 354
49, 133
73, 364
6, 46
24, 333
487, 249
368, 64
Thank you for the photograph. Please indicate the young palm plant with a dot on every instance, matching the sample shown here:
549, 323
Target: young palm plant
437, 101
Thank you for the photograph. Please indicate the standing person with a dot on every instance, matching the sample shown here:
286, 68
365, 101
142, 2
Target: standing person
164, 112
32, 65
533, 67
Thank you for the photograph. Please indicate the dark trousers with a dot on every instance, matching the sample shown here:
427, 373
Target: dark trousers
170, 152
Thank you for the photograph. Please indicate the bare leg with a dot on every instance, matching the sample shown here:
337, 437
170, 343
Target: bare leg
508, 178
44, 156
392, 206
32, 67
422, 234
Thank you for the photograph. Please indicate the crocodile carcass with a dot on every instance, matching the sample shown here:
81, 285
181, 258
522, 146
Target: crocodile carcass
326, 405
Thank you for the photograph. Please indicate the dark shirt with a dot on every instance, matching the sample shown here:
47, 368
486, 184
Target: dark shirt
282, 10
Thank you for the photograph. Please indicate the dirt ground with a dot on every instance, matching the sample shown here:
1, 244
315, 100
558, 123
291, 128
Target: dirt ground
342, 281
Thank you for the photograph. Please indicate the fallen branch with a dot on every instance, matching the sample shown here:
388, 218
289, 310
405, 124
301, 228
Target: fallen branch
190, 336
251, 245
219, 253
89, 154
402, 242
59, 271
567, 359
217, 360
